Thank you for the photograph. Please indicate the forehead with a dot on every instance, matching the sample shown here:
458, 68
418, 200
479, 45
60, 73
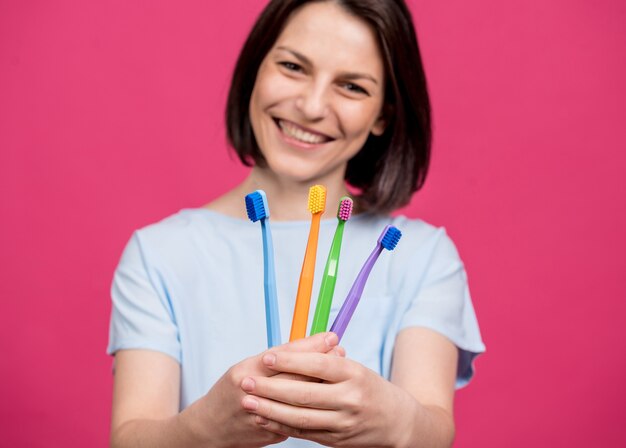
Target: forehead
330, 36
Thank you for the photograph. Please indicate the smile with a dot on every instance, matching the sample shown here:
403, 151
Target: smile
293, 131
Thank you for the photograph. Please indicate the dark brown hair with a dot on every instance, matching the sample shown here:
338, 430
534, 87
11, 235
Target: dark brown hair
389, 168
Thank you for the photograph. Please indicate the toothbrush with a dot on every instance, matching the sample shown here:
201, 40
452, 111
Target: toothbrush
327, 288
388, 240
258, 209
317, 204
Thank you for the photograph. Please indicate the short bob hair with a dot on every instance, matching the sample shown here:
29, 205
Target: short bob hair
389, 168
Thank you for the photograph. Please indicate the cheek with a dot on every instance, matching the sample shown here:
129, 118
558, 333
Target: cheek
358, 119
263, 98
261, 93
260, 90
265, 93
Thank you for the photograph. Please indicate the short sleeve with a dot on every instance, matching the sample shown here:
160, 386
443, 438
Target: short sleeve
141, 315
441, 301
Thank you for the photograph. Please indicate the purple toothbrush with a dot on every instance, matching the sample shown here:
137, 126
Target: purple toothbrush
388, 240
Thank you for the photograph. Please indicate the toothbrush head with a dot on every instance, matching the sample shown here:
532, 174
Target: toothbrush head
317, 199
256, 206
345, 208
390, 237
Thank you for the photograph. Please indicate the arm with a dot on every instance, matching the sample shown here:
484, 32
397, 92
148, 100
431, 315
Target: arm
357, 407
146, 402
425, 365
140, 416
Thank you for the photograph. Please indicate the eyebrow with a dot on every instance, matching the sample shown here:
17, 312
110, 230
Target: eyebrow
347, 75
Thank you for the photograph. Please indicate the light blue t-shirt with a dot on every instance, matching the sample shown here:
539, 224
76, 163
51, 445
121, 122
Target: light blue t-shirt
191, 286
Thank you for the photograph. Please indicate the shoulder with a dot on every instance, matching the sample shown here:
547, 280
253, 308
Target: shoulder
169, 232
418, 236
171, 225
425, 237
428, 246
184, 233
422, 248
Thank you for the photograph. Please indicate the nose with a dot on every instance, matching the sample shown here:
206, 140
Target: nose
312, 101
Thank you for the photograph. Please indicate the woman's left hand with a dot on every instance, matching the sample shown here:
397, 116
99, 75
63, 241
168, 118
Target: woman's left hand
352, 406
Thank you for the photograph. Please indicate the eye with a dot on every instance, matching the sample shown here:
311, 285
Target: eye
354, 88
291, 66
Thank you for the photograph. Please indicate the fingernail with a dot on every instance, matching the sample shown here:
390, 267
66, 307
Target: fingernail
269, 359
331, 339
262, 420
248, 384
250, 404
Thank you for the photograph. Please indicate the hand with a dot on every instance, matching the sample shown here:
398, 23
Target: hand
217, 419
353, 406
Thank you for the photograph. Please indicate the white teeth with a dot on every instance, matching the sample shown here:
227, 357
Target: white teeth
299, 134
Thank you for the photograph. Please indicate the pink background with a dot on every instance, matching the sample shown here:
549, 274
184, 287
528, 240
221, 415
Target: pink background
111, 118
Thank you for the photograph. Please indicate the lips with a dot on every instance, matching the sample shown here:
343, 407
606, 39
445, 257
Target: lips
301, 134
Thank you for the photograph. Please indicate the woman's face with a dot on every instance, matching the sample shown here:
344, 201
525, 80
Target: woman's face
318, 94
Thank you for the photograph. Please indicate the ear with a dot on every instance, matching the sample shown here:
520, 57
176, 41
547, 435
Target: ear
380, 125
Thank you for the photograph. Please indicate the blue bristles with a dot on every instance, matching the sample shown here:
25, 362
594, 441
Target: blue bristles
256, 206
390, 238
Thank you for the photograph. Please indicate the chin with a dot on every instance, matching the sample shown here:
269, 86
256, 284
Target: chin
300, 171
297, 175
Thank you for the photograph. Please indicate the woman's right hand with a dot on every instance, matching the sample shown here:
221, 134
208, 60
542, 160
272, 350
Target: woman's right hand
146, 398
218, 420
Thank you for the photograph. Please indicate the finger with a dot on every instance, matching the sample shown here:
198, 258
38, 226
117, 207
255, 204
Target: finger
268, 438
320, 342
294, 377
338, 351
296, 417
328, 368
296, 393
320, 436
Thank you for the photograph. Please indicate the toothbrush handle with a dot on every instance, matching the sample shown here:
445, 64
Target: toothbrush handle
327, 288
303, 297
352, 300
272, 320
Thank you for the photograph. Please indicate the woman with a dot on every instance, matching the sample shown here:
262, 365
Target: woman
324, 92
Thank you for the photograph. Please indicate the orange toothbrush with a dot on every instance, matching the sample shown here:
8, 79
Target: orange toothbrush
317, 203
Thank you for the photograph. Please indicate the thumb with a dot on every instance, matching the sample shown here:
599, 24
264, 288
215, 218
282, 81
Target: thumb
318, 343
338, 351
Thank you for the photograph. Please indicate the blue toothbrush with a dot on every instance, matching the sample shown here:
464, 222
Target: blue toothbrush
257, 208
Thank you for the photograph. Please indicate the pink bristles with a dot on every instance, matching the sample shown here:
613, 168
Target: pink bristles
345, 209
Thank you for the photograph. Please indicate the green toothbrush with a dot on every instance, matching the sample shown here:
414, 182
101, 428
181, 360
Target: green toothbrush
327, 288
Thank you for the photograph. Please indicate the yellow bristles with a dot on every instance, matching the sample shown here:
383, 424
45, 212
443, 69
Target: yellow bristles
317, 199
